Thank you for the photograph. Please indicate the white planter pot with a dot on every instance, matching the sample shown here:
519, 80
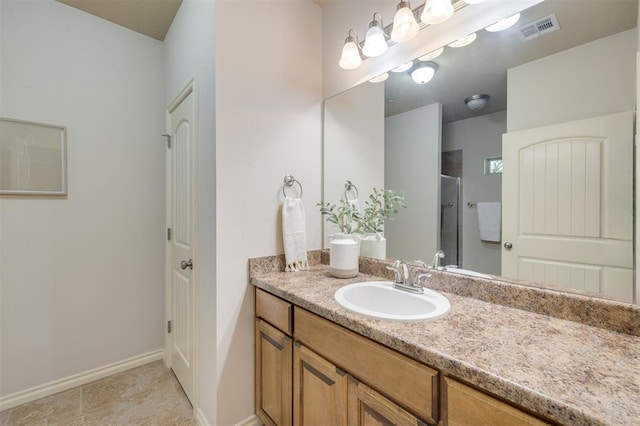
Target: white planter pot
374, 246
344, 250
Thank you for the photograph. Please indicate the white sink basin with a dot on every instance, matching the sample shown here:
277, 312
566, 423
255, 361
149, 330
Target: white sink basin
378, 299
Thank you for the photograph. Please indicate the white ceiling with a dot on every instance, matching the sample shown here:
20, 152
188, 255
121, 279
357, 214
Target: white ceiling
482, 66
149, 17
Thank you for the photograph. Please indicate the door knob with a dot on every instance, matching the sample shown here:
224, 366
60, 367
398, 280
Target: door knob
186, 264
508, 245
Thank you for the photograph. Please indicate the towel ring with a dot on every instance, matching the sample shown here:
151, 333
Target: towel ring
288, 182
349, 187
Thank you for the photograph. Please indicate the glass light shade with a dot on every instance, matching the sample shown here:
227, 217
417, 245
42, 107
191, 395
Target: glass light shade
476, 102
403, 67
350, 58
424, 72
503, 24
431, 55
436, 11
464, 41
405, 26
374, 44
380, 78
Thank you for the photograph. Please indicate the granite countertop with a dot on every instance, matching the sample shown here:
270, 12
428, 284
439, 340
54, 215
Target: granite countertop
568, 372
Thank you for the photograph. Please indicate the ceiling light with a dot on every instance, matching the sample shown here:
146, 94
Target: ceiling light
504, 24
436, 11
464, 41
473, 1
350, 58
380, 78
375, 43
405, 26
431, 55
476, 102
403, 67
424, 72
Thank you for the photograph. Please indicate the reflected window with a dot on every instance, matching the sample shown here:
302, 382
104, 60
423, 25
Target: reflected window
493, 166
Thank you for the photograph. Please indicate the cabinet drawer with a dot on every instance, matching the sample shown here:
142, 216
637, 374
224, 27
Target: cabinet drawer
274, 310
399, 378
464, 405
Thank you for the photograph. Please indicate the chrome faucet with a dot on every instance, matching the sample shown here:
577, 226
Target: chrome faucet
401, 280
435, 264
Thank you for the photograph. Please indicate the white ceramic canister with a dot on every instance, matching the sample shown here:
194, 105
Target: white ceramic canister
344, 250
373, 246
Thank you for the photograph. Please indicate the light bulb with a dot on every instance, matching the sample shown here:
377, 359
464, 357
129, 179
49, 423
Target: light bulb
405, 26
436, 11
350, 58
424, 72
374, 43
504, 23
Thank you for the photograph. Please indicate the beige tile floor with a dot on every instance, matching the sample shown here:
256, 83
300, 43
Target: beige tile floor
147, 395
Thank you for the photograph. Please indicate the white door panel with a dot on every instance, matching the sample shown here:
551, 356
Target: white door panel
182, 224
567, 205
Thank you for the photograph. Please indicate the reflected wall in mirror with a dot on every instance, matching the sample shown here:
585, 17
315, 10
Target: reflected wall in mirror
558, 125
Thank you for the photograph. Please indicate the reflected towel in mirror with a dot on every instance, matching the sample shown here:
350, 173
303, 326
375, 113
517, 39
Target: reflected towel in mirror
490, 221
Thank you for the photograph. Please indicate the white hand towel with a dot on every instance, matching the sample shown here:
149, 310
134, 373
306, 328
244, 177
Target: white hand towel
490, 221
294, 234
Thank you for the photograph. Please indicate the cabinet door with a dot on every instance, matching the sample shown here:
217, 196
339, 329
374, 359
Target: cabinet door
467, 406
274, 355
368, 408
319, 389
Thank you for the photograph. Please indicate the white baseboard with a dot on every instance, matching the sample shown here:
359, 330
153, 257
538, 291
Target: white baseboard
201, 419
250, 421
66, 383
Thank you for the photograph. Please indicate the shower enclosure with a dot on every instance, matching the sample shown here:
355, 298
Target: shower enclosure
450, 232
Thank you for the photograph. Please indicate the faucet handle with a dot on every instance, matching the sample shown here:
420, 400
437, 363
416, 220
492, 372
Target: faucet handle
401, 271
418, 280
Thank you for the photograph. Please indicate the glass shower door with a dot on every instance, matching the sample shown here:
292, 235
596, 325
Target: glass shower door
449, 219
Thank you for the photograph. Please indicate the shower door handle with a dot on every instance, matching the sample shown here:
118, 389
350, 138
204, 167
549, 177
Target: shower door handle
508, 245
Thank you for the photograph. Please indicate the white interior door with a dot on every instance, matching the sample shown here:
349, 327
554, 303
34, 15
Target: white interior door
567, 205
182, 224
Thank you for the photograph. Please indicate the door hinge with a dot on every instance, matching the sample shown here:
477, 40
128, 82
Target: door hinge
168, 140
168, 234
168, 326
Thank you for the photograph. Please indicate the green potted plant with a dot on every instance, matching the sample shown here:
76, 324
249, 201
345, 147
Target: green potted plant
381, 205
344, 247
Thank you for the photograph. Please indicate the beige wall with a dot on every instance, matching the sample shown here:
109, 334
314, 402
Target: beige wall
478, 138
353, 144
586, 81
81, 276
268, 124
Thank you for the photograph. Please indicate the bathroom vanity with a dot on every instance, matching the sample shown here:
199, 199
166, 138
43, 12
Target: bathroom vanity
482, 363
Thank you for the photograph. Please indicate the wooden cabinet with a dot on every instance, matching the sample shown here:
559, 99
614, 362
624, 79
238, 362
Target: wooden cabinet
463, 405
319, 390
274, 358
369, 408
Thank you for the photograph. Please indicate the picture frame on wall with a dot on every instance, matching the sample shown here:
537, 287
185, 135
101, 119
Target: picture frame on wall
33, 158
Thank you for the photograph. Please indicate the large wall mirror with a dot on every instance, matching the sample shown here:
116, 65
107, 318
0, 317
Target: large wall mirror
536, 185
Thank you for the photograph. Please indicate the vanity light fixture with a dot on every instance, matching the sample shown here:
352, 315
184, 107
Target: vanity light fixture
503, 24
431, 55
476, 102
375, 43
436, 11
423, 72
403, 67
380, 78
464, 41
405, 26
350, 58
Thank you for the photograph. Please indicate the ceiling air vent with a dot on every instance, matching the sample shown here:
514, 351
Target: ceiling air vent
540, 27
